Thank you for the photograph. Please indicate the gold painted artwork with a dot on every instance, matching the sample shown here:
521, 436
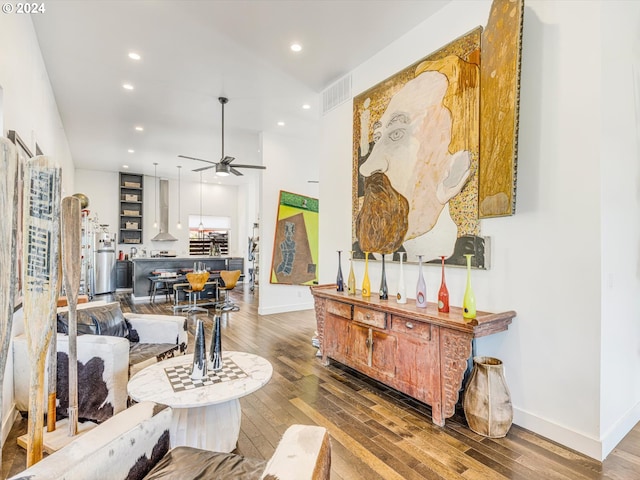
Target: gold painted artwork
499, 108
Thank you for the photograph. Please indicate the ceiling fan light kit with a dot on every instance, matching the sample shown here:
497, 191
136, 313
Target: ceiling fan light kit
223, 168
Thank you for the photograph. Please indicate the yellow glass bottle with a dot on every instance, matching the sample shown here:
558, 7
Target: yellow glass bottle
351, 283
366, 284
469, 300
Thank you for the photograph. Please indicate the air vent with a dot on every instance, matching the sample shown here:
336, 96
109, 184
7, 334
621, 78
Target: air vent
336, 94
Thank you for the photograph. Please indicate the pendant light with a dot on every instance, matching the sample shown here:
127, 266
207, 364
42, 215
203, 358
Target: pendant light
201, 226
155, 192
179, 226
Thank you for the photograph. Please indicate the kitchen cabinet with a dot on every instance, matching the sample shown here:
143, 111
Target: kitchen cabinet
124, 274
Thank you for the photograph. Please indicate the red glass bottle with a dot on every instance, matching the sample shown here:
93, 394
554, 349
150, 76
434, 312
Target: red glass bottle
443, 293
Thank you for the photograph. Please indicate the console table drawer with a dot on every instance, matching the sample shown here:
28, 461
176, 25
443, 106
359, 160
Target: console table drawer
370, 317
339, 309
411, 327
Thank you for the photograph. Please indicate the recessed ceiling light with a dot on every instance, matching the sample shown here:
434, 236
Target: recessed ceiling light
139, 128
134, 56
125, 166
127, 86
281, 124
306, 106
131, 150
296, 47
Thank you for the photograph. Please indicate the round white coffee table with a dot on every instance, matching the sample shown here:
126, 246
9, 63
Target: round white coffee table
204, 416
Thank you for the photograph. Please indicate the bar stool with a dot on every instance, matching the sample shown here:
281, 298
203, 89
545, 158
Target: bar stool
230, 279
196, 285
161, 282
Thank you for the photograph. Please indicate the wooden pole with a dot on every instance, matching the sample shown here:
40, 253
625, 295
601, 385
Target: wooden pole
41, 227
8, 235
53, 365
71, 266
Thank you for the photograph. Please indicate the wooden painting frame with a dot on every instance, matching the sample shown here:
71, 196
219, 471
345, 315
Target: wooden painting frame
24, 154
295, 247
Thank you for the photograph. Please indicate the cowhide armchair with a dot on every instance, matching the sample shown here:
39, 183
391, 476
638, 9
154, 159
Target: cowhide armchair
136, 445
112, 346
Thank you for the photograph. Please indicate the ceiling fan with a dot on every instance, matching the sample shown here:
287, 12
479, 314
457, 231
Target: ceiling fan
223, 167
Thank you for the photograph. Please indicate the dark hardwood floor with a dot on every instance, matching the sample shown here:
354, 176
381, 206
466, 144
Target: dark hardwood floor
376, 432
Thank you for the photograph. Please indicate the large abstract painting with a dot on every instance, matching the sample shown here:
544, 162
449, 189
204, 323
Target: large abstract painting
295, 249
415, 159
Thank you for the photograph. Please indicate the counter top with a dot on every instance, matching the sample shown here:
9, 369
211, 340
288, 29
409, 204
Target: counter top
144, 267
182, 259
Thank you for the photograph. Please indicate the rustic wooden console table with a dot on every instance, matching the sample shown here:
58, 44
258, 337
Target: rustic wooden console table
418, 351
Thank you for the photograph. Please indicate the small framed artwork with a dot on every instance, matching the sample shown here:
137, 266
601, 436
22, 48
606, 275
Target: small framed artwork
23, 155
295, 249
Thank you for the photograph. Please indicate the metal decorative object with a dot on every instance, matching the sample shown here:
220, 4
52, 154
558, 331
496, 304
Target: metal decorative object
215, 354
199, 368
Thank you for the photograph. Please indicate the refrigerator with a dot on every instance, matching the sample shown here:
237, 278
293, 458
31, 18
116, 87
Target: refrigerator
105, 262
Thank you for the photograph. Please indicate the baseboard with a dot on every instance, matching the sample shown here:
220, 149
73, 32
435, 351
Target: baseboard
618, 431
295, 307
595, 448
578, 441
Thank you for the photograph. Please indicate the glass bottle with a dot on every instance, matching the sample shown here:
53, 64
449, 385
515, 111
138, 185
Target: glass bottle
384, 291
402, 290
443, 294
366, 284
421, 287
339, 279
351, 283
469, 300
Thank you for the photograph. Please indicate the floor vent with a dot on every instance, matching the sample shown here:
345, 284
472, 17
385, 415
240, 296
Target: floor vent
336, 94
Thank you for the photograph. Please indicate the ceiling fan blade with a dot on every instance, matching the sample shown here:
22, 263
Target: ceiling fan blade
198, 159
261, 167
227, 160
201, 169
235, 172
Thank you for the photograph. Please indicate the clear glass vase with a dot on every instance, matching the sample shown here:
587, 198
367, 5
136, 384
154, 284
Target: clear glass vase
421, 287
402, 289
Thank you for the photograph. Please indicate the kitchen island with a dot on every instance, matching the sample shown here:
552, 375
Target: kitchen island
143, 268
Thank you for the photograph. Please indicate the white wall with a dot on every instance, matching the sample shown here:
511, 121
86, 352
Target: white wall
620, 203
549, 259
219, 200
290, 162
28, 107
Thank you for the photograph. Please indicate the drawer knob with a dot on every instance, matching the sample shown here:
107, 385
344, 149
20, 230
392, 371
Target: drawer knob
367, 316
409, 325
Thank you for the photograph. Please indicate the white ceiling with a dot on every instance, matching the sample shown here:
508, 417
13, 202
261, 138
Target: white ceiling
192, 53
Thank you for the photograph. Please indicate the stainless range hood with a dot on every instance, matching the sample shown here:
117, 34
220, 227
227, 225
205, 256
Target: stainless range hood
164, 235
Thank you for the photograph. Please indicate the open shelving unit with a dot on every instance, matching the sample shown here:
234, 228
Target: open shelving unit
131, 211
